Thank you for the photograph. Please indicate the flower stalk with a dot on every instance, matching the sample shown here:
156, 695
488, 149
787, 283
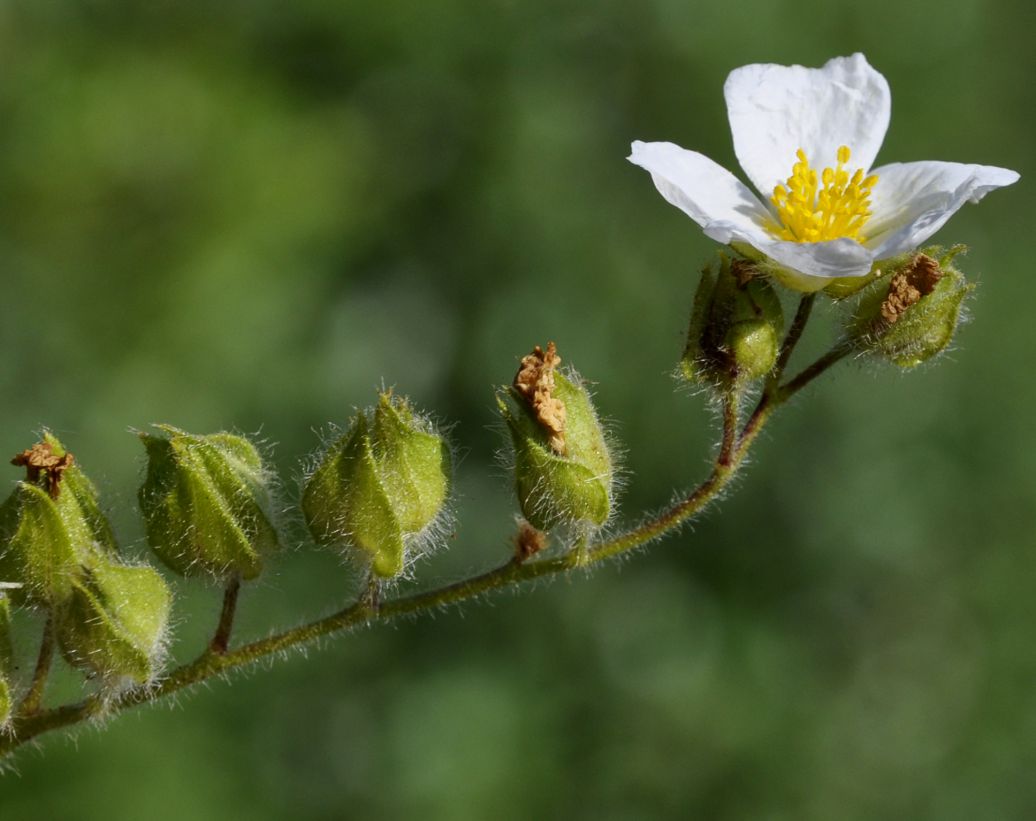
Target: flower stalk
219, 658
221, 640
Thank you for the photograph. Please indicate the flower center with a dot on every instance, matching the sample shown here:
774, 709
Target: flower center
807, 213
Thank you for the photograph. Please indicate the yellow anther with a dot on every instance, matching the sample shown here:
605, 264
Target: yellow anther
839, 209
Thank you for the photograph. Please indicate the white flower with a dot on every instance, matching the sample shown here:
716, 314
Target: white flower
788, 122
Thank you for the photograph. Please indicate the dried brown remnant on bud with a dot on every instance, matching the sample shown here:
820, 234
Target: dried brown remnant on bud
907, 287
535, 382
41, 457
528, 542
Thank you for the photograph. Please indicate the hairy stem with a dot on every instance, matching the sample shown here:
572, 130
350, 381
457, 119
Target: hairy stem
731, 418
28, 724
221, 640
798, 325
832, 357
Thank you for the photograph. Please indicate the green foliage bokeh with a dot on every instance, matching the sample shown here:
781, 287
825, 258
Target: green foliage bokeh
246, 215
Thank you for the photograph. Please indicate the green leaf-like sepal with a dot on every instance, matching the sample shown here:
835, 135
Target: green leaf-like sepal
207, 504
753, 338
695, 365
114, 622
79, 506
380, 486
38, 549
413, 463
555, 488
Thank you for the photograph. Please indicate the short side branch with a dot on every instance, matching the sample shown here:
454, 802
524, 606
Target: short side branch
221, 640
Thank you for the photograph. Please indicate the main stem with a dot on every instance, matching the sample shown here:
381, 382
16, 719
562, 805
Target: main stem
216, 660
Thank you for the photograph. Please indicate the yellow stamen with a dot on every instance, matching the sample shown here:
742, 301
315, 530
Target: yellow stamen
840, 208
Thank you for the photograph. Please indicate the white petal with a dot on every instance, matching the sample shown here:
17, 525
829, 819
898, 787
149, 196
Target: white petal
709, 194
728, 211
776, 110
913, 200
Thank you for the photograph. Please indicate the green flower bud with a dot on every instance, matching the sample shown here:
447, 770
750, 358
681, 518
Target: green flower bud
564, 472
912, 315
57, 544
207, 504
113, 624
6, 659
381, 487
736, 325
50, 526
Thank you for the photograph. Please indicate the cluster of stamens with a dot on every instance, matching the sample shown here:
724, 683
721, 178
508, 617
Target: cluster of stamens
808, 212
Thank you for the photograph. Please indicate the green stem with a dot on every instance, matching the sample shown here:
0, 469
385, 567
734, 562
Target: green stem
731, 418
221, 640
735, 447
798, 325
34, 697
832, 357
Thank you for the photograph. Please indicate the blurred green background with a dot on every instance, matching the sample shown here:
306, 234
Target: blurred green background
248, 214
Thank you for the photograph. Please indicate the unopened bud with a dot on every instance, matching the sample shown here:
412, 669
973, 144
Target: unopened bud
114, 623
381, 487
563, 468
50, 526
736, 324
911, 315
207, 504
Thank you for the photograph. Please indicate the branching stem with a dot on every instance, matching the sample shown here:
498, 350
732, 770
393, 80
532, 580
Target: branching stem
30, 723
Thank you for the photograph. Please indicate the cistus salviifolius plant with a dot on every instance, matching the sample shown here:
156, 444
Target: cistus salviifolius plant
828, 224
